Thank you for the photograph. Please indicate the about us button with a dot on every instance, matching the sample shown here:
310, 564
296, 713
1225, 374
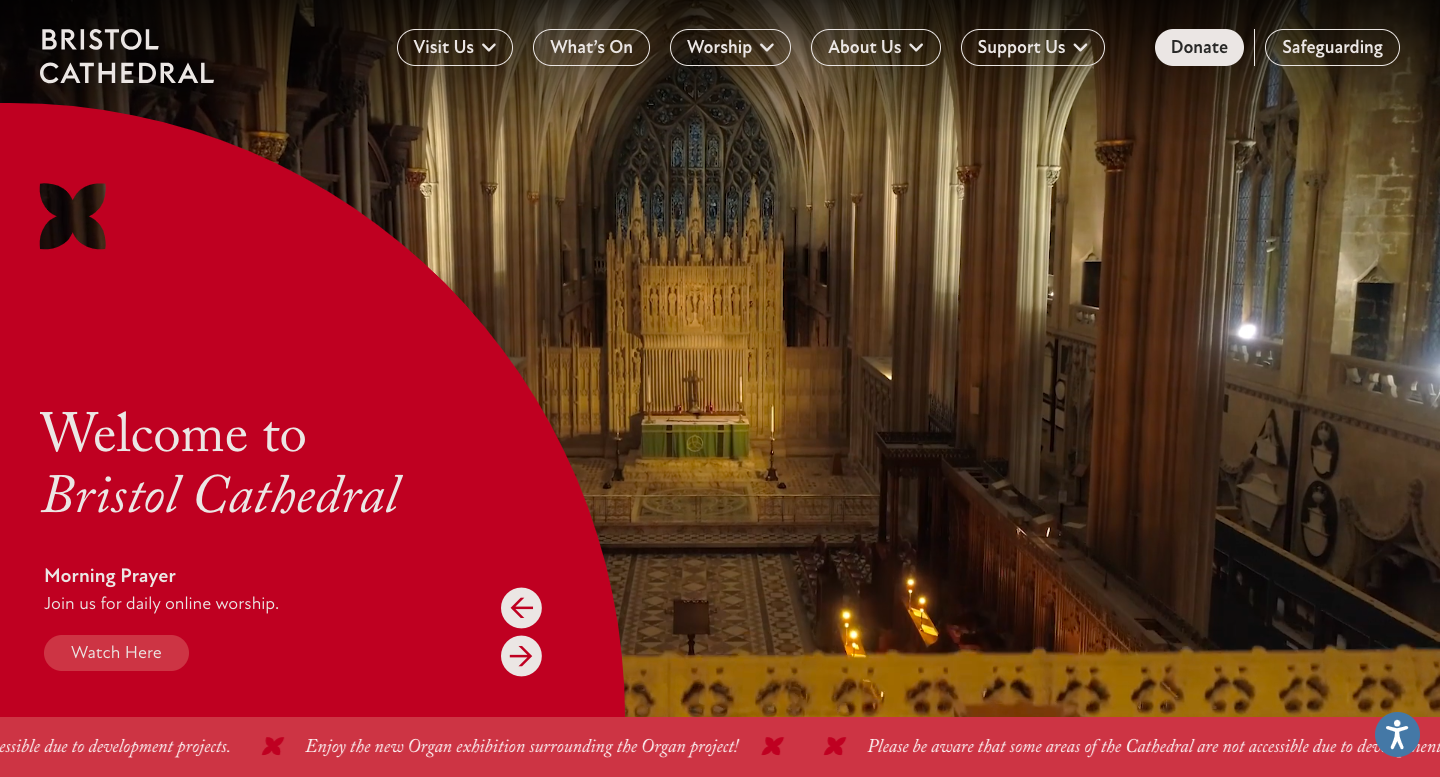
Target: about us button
1199, 48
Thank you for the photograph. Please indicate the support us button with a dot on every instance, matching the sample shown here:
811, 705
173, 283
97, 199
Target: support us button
116, 653
1199, 48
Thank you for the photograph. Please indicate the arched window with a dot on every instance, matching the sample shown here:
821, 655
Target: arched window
695, 127
1264, 213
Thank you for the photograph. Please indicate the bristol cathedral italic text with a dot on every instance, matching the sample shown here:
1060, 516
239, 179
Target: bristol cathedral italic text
895, 353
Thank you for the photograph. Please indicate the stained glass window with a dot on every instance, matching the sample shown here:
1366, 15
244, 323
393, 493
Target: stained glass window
1264, 212
1260, 266
1282, 281
1274, 77
1242, 252
695, 121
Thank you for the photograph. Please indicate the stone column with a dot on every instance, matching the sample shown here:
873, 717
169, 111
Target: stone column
1160, 351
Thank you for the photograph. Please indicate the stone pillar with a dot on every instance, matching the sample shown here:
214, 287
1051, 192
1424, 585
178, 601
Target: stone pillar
1160, 352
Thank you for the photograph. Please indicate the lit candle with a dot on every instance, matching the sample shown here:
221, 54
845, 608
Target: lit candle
742, 391
772, 420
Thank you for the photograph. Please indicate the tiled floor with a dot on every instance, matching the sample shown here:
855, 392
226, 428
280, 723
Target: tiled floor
754, 604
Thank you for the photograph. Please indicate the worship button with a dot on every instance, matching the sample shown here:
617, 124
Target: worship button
737, 47
112, 653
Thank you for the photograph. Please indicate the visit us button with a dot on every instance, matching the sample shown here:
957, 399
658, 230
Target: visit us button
116, 653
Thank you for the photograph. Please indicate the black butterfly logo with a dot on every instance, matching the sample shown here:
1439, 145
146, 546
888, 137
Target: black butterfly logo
73, 216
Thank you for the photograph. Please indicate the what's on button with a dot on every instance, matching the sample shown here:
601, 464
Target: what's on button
116, 653
1199, 48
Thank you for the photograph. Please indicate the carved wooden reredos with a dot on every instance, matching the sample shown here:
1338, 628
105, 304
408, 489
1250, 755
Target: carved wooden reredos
695, 306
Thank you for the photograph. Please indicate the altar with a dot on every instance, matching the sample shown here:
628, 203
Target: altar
695, 434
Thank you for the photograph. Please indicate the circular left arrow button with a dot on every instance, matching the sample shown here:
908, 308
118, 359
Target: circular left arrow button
520, 608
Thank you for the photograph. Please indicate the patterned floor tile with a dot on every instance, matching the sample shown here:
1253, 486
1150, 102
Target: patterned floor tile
753, 602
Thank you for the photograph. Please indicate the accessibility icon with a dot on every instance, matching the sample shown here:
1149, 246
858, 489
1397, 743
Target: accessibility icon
1397, 734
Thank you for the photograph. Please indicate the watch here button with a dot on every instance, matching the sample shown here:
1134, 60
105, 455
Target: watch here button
112, 653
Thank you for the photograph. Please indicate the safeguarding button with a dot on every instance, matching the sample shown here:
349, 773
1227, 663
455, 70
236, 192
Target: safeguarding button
110, 653
1199, 48
1333, 48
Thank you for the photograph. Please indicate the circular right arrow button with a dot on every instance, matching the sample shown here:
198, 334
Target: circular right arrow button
520, 656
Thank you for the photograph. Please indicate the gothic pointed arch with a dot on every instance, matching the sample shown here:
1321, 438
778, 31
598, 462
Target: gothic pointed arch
694, 128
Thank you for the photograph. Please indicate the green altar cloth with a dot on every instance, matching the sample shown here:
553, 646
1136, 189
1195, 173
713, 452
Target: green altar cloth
687, 436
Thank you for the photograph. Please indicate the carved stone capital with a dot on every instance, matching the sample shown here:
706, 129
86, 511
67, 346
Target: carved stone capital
899, 188
829, 204
559, 201
416, 176
268, 144
1315, 179
533, 197
967, 174
1244, 153
490, 187
1052, 174
856, 198
427, 189
1114, 154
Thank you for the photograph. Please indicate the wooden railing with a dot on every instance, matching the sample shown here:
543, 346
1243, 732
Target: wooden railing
1013, 564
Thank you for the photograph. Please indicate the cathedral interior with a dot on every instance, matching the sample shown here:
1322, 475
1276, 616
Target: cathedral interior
921, 358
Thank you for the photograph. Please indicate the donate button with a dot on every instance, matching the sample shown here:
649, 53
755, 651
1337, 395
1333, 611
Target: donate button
1199, 48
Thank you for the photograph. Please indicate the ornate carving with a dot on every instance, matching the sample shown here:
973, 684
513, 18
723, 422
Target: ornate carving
533, 197
427, 189
416, 176
1244, 153
268, 144
1052, 174
490, 187
830, 204
856, 197
1391, 527
694, 304
347, 96
899, 188
1114, 154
